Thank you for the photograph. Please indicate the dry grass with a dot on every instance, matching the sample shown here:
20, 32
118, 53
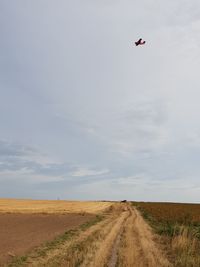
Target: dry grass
138, 248
179, 225
185, 246
72, 252
103, 254
51, 206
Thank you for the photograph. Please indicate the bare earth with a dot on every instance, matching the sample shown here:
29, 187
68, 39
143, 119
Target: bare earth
19, 233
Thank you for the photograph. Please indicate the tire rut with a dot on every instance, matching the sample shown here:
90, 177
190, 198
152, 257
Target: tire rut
137, 247
114, 252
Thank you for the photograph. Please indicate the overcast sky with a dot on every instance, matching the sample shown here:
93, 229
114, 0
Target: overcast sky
84, 114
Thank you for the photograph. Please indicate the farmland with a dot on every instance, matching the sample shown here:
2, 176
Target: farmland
51, 206
112, 235
26, 224
172, 212
20, 233
179, 226
97, 234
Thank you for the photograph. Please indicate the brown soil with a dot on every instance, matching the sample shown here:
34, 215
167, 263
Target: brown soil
19, 233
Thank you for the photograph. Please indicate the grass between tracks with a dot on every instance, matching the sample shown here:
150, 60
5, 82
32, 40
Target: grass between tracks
179, 225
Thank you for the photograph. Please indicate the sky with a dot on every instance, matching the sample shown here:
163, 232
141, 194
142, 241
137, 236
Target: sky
86, 115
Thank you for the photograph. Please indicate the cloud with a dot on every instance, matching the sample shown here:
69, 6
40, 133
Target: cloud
140, 187
141, 127
26, 176
144, 180
26, 163
19, 162
84, 172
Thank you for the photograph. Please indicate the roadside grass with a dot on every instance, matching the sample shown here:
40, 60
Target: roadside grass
92, 248
77, 251
179, 226
50, 245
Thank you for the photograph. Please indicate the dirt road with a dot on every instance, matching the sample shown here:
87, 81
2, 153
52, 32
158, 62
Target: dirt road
121, 239
138, 248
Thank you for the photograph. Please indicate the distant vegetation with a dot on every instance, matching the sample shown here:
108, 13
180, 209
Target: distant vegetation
179, 225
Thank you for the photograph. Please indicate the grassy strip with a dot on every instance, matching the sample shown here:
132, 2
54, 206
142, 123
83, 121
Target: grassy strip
50, 245
168, 227
161, 228
182, 239
77, 251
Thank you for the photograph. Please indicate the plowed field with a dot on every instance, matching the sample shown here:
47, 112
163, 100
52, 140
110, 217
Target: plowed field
19, 233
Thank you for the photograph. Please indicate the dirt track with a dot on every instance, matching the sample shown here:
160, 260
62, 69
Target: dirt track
19, 233
137, 247
122, 239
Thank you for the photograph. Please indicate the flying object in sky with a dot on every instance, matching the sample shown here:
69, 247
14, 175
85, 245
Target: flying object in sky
140, 42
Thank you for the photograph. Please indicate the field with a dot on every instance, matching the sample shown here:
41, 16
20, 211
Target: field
179, 225
173, 213
51, 206
98, 234
19, 233
26, 224
61, 233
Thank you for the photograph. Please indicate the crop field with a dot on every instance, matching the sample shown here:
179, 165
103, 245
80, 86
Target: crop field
173, 212
61, 233
51, 206
179, 225
26, 224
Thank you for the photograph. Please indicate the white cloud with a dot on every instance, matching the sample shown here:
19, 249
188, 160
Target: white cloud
84, 172
27, 177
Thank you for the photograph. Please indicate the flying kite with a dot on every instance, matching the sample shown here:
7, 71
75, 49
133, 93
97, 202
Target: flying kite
140, 42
